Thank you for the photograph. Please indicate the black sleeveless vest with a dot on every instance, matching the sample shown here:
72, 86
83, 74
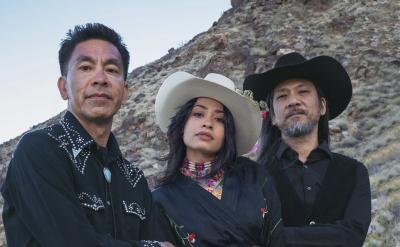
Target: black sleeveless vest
331, 201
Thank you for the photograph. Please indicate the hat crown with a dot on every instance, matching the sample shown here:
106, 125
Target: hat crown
290, 59
220, 80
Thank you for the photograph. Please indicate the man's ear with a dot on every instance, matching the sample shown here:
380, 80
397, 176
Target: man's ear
323, 106
62, 87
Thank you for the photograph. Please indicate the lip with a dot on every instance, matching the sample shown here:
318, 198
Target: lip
295, 115
203, 135
98, 96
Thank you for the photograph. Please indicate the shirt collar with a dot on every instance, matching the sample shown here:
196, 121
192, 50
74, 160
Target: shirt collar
285, 151
80, 139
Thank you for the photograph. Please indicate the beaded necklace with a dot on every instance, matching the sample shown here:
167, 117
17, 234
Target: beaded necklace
198, 170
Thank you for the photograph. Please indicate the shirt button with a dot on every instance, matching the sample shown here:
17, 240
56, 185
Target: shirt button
308, 188
108, 203
305, 166
312, 222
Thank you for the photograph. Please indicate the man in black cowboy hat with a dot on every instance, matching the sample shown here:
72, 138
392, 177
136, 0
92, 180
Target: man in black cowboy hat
326, 197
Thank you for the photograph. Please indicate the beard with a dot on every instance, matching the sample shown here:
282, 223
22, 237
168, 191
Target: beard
299, 129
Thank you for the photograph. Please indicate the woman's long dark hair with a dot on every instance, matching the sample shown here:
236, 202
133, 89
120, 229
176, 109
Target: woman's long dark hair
226, 156
271, 135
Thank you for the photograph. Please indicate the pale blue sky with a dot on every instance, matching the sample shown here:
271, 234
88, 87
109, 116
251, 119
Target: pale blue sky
32, 30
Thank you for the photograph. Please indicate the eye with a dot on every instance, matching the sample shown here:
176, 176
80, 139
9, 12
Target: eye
303, 91
85, 67
197, 114
220, 119
112, 70
280, 96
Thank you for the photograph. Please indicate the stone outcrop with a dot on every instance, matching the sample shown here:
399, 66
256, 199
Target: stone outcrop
363, 35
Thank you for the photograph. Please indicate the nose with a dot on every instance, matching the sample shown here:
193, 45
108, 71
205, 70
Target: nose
293, 101
207, 123
100, 78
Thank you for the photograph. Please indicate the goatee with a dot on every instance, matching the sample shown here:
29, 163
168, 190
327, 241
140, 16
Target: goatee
298, 129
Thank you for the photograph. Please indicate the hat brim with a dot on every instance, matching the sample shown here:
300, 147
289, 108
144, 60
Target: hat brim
181, 87
323, 71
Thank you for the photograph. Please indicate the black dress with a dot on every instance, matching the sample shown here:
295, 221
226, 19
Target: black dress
248, 213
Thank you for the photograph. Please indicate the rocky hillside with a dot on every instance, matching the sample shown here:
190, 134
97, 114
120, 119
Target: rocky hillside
363, 34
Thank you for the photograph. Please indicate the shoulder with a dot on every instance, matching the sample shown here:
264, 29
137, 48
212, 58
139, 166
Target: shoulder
348, 160
37, 150
36, 140
360, 168
245, 163
250, 169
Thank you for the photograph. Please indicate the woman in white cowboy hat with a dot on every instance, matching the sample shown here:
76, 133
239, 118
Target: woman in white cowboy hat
212, 196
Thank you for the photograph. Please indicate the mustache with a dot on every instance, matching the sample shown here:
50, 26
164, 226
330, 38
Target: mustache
295, 111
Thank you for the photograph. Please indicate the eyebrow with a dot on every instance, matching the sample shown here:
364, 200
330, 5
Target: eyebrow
205, 108
299, 85
89, 59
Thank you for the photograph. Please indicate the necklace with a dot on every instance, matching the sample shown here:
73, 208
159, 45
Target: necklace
198, 170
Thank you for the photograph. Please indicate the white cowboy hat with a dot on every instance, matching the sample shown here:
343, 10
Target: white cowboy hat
180, 87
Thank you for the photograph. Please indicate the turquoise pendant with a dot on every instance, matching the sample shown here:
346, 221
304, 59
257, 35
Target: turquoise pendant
107, 174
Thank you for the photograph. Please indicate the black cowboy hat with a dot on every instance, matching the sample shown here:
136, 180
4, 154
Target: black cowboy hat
324, 71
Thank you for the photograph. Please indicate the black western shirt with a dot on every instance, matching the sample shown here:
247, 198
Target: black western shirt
56, 193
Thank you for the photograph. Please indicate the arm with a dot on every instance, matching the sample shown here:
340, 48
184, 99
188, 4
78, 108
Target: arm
273, 230
41, 190
350, 231
156, 225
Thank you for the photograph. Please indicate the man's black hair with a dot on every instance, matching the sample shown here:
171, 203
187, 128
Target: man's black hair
89, 31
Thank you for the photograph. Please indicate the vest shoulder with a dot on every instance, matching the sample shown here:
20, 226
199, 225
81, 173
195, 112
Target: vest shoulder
345, 159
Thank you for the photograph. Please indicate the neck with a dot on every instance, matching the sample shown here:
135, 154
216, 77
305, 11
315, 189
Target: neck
303, 145
198, 157
99, 131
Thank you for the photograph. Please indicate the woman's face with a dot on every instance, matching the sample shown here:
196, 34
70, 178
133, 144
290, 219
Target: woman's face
203, 133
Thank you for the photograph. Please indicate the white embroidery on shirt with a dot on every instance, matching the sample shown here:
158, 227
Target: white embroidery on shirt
134, 208
148, 243
77, 154
91, 201
131, 172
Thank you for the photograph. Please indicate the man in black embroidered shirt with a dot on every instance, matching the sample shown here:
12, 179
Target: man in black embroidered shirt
326, 197
68, 184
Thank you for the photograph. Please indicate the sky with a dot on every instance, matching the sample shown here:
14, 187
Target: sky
31, 32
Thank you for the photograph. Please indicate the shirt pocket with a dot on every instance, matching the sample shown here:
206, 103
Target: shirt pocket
91, 201
134, 209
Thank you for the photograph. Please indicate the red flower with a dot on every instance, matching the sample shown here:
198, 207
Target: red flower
264, 114
191, 237
263, 211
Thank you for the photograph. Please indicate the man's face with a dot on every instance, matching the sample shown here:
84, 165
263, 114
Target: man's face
297, 108
94, 84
